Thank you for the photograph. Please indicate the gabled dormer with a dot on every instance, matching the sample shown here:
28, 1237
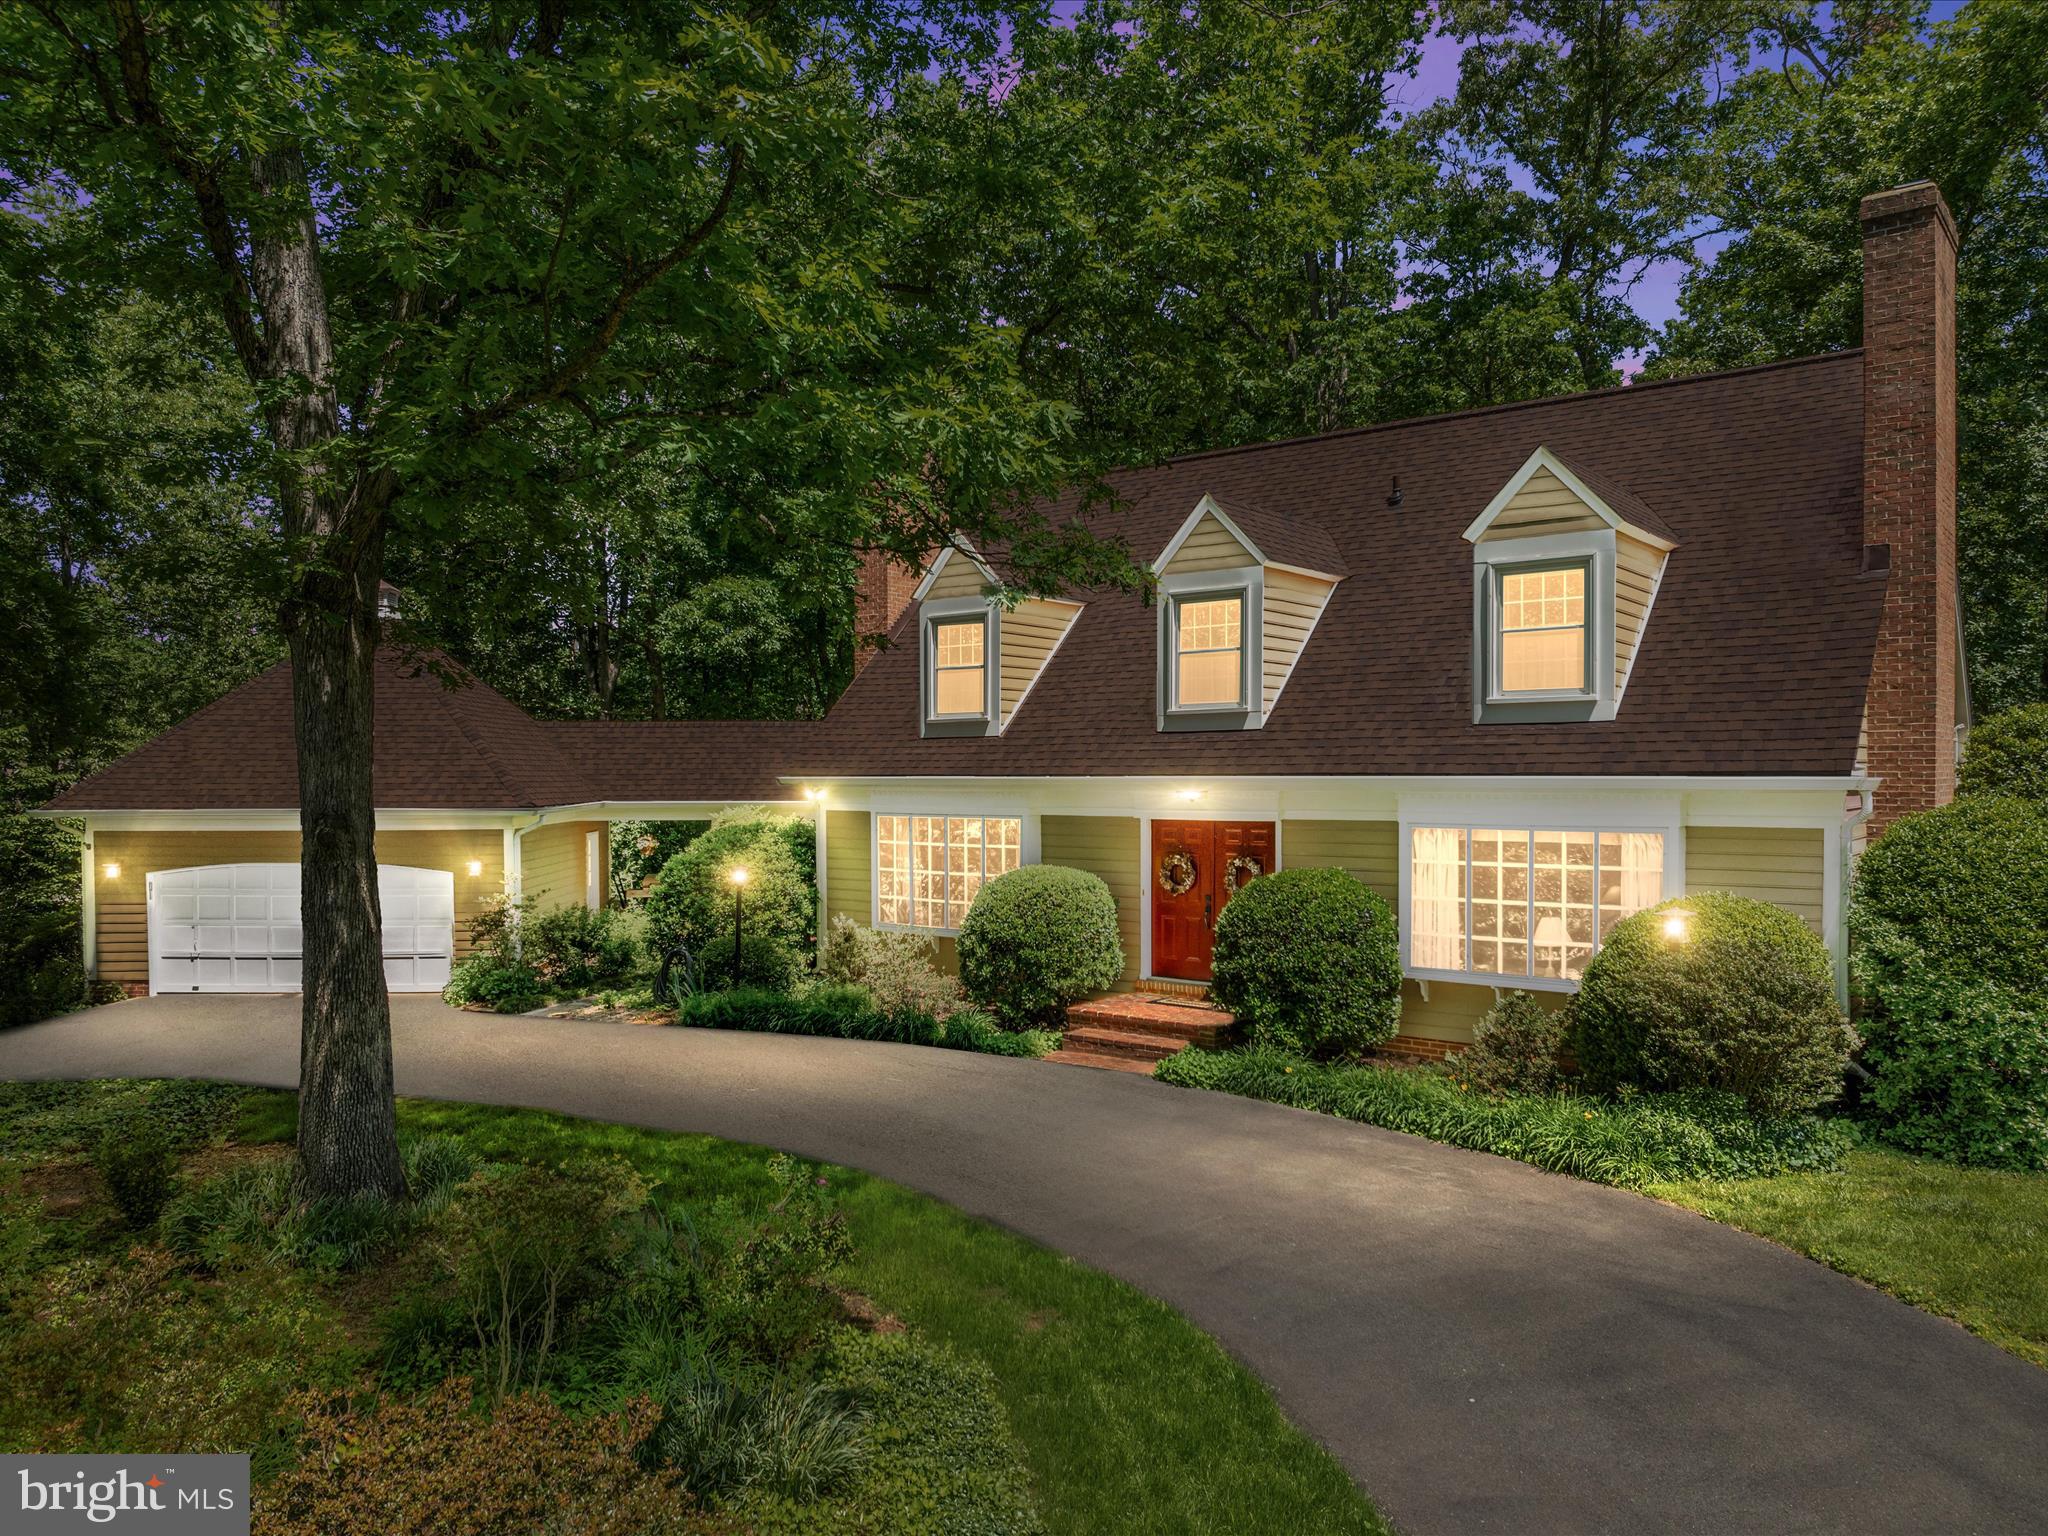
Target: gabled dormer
1566, 566
1240, 592
979, 657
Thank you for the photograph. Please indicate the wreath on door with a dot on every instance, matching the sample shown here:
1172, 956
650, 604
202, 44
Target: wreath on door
1177, 872
1242, 868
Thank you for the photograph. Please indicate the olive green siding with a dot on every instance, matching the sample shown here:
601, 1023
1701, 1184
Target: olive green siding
1367, 849
551, 863
1781, 865
850, 879
1106, 846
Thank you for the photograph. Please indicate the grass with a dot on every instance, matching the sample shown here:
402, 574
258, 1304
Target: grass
1969, 1244
1130, 1418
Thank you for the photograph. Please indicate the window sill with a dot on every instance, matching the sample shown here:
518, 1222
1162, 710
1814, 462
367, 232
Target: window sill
929, 933
1488, 979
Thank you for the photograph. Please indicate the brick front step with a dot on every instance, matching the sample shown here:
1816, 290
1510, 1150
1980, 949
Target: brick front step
1179, 1022
1098, 1041
1064, 1057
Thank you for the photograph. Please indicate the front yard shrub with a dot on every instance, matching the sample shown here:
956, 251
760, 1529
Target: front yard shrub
1308, 961
2007, 755
1515, 1048
1632, 1141
766, 962
140, 1170
1037, 939
574, 949
693, 900
900, 969
850, 1013
485, 981
1948, 923
42, 969
1743, 1003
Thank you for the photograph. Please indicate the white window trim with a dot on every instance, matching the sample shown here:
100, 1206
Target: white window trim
1511, 818
956, 610
1246, 583
1026, 854
1493, 559
1496, 631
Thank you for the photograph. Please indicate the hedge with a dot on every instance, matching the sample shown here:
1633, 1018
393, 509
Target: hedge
849, 1013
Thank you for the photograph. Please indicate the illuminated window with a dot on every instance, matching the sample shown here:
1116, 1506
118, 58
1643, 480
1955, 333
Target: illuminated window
928, 869
1497, 902
959, 668
1208, 662
1543, 630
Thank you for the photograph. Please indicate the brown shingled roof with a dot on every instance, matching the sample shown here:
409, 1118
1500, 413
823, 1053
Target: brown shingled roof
1284, 540
728, 760
1755, 659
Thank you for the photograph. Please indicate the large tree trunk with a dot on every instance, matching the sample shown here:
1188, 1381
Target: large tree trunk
333, 513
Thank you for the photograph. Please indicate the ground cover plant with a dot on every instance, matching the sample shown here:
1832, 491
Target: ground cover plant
846, 1012
687, 1335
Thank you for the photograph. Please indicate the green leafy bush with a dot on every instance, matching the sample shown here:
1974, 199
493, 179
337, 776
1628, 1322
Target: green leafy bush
1309, 961
900, 969
2007, 755
1515, 1048
140, 1170
850, 1013
1037, 939
574, 949
639, 849
1744, 1003
42, 969
1634, 1141
485, 981
766, 962
723, 1435
692, 902
1949, 942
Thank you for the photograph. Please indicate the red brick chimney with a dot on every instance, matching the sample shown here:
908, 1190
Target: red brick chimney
883, 591
1909, 494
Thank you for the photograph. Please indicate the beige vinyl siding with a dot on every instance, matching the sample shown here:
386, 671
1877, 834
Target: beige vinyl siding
1211, 547
551, 863
1781, 865
1106, 846
1029, 634
959, 577
1369, 850
1544, 504
1636, 566
849, 867
1292, 605
122, 926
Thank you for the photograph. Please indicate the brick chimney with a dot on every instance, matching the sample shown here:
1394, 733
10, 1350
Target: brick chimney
881, 593
1909, 494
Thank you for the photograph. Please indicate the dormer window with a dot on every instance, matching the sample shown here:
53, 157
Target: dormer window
960, 668
1208, 661
1541, 630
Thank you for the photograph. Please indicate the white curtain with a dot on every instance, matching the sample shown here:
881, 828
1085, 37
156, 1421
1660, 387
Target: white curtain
1642, 870
1436, 890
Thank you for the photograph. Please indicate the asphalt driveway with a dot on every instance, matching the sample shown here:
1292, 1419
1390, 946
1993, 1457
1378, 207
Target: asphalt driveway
1486, 1347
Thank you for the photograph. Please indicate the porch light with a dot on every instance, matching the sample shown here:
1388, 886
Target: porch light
111, 869
1678, 925
476, 867
813, 793
1187, 794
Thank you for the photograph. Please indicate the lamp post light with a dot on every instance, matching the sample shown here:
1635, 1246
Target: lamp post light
1678, 925
738, 877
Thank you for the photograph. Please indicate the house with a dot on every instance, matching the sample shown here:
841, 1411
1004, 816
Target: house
1524, 670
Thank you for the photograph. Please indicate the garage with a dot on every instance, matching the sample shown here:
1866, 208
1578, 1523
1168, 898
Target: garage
235, 928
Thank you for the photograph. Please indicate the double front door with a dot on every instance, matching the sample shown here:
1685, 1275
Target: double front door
1196, 867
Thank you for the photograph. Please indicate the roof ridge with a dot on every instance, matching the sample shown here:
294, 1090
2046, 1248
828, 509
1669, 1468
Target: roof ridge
1615, 391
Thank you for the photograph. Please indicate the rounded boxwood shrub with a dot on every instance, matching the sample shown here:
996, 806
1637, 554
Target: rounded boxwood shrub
765, 962
1744, 1003
692, 901
1948, 925
1037, 939
2007, 755
1309, 962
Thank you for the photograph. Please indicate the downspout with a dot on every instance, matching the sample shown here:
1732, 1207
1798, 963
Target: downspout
88, 905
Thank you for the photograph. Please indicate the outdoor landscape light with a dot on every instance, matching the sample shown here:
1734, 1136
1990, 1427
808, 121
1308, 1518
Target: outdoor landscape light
1677, 925
738, 877
111, 869
476, 867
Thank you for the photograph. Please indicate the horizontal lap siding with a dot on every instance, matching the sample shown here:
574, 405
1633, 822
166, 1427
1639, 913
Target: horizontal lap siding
1367, 849
1291, 607
960, 578
1029, 634
1210, 547
551, 863
1105, 846
122, 926
1636, 565
1781, 865
1544, 504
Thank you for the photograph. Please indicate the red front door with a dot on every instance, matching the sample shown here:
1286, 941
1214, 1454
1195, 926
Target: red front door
1196, 857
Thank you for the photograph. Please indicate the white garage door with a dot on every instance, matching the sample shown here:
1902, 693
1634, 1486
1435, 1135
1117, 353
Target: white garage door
235, 928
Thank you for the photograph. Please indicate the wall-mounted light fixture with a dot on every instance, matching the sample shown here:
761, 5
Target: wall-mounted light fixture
111, 869
814, 793
476, 867
1187, 794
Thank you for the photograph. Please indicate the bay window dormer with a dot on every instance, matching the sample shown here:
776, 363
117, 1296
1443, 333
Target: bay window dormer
1566, 567
1240, 592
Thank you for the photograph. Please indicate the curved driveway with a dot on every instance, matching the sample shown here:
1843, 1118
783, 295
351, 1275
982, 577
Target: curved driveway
1486, 1347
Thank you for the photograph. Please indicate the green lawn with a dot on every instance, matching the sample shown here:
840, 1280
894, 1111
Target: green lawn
1965, 1243
1131, 1419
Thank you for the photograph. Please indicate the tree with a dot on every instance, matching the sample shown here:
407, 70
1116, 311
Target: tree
489, 255
1871, 98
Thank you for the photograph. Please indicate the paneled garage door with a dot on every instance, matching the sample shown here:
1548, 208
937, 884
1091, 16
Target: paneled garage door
235, 928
